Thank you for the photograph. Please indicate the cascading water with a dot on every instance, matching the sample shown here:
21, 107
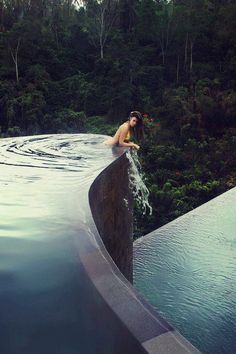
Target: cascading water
137, 185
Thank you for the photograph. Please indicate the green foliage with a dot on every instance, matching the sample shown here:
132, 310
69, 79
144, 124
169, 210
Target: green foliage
180, 177
14, 131
64, 121
159, 57
98, 125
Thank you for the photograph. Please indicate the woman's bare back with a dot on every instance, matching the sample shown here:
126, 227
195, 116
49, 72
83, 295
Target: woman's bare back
123, 129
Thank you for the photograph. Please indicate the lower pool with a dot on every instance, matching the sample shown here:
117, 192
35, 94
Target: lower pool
187, 271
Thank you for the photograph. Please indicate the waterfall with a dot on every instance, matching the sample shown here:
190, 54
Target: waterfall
137, 185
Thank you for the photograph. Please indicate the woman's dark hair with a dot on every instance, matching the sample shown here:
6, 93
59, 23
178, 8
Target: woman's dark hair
138, 130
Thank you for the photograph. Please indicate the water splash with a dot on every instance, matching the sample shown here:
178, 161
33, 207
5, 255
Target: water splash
137, 185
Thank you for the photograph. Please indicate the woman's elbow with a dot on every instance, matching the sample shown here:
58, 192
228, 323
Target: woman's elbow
121, 142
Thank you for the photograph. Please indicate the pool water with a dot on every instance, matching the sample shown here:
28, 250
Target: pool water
48, 303
187, 271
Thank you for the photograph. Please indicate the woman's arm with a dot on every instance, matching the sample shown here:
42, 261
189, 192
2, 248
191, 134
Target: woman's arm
123, 132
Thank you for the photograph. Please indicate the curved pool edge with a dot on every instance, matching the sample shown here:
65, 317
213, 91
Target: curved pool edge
109, 265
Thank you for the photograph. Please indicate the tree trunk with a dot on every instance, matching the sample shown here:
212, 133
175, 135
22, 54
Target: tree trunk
56, 37
191, 56
177, 71
162, 49
15, 59
163, 56
102, 34
101, 51
186, 52
1, 15
102, 21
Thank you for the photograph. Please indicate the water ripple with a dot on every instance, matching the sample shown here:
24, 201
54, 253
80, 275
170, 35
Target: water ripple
61, 152
187, 270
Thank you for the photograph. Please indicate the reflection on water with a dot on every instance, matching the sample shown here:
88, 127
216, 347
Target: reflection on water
47, 303
187, 271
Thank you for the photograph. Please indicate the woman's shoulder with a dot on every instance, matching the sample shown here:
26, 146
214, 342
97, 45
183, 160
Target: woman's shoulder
124, 126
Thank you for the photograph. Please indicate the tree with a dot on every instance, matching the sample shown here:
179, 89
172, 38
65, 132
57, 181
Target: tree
164, 22
101, 16
14, 55
128, 11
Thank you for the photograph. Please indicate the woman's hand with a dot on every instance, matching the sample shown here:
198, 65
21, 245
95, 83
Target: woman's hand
136, 146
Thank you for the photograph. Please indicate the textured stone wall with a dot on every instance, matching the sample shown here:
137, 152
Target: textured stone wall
112, 208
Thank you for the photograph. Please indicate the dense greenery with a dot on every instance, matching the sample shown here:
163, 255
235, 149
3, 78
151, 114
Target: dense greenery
64, 66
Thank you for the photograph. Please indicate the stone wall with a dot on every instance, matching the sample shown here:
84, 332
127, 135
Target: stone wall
112, 208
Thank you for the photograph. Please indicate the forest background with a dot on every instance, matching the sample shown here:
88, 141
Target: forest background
82, 66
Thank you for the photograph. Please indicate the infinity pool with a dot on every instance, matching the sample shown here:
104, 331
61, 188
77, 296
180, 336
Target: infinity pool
187, 271
48, 303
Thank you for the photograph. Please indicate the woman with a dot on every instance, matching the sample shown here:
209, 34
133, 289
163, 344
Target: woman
133, 128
